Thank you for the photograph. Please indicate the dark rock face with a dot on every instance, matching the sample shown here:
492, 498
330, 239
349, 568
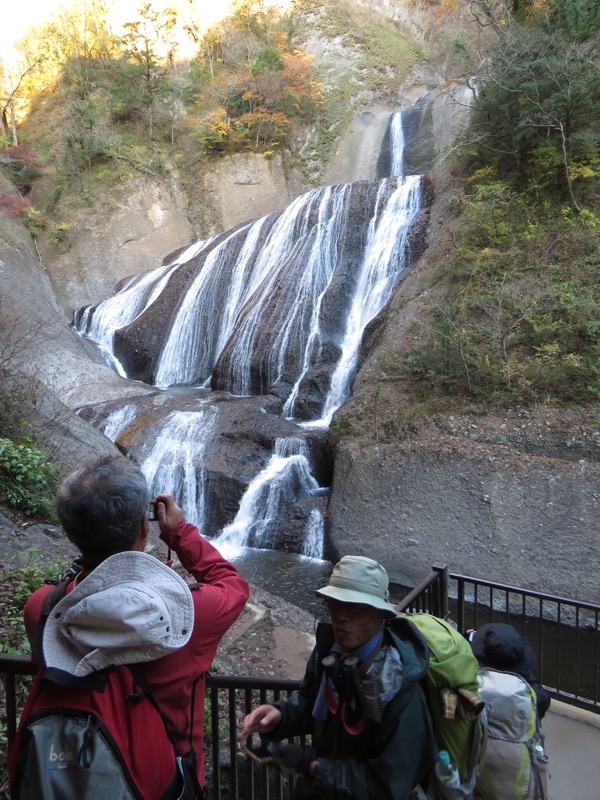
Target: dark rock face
241, 441
302, 298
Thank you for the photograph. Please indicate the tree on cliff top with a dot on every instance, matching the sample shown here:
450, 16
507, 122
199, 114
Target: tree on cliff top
537, 114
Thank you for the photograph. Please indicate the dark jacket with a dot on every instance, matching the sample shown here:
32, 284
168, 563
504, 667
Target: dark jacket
395, 749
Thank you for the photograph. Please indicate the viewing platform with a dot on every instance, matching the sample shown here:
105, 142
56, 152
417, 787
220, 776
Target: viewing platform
573, 745
563, 632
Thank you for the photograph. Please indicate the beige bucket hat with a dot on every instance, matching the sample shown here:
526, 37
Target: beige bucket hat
357, 579
131, 608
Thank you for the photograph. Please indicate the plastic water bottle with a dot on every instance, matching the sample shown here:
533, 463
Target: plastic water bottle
446, 771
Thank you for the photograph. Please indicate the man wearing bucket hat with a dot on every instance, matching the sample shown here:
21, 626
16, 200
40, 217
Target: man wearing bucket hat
360, 698
124, 606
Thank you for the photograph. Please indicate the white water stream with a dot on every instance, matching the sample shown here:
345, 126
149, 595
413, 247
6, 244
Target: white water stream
250, 273
173, 462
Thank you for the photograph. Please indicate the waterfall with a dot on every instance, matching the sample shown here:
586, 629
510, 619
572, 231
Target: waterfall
173, 463
314, 539
396, 144
100, 322
215, 311
307, 231
276, 307
206, 312
257, 523
117, 421
386, 257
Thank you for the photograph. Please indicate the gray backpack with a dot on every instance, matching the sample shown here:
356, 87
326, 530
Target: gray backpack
514, 765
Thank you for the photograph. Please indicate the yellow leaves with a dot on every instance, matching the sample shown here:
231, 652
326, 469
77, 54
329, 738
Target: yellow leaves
548, 352
551, 353
214, 130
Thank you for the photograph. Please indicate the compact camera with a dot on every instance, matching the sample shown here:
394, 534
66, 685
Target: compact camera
152, 512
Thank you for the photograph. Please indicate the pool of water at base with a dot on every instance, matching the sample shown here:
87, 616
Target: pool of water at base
292, 577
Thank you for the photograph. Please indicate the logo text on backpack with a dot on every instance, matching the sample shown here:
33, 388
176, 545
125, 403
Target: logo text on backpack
60, 759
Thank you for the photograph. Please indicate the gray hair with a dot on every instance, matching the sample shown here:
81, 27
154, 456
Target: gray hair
102, 505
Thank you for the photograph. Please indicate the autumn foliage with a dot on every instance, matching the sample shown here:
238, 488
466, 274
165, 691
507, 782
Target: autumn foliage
259, 82
13, 205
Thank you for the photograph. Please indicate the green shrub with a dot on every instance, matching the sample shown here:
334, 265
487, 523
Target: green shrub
27, 479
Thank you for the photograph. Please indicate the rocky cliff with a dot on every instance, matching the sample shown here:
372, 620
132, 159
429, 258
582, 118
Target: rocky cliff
513, 498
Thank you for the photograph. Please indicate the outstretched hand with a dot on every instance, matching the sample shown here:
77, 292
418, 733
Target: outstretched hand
263, 719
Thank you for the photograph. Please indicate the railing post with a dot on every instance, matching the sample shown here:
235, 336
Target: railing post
441, 590
11, 707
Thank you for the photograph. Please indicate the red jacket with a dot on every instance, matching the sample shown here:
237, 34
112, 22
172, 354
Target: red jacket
217, 604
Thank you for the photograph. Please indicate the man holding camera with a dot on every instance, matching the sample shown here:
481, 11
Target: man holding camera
360, 698
103, 509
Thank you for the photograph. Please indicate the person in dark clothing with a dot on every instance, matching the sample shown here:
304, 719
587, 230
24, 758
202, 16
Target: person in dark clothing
360, 698
500, 646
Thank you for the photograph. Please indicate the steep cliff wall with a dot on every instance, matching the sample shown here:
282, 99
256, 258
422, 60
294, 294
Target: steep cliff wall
485, 509
512, 497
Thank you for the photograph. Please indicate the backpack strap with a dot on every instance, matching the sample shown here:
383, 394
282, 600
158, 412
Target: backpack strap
187, 762
50, 600
140, 682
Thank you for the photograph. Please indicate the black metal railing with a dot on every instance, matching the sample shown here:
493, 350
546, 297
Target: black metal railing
562, 631
237, 776
230, 773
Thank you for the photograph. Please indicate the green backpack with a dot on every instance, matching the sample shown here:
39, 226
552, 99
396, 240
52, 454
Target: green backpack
458, 713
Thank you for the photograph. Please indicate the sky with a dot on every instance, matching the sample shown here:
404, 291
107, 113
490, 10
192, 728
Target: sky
22, 14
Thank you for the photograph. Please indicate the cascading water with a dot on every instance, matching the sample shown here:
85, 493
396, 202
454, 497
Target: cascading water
200, 314
396, 133
173, 462
258, 520
100, 322
385, 259
278, 306
118, 421
312, 543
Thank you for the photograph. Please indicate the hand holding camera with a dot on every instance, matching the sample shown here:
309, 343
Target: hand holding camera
164, 509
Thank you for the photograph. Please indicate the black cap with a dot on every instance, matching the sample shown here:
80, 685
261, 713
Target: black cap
501, 646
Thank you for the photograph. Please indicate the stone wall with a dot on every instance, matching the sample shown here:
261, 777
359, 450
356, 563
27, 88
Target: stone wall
486, 510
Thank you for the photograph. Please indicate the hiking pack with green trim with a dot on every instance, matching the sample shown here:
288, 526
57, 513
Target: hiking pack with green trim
458, 713
515, 763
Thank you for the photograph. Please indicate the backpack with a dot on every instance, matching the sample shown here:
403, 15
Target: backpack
514, 765
458, 714
100, 737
